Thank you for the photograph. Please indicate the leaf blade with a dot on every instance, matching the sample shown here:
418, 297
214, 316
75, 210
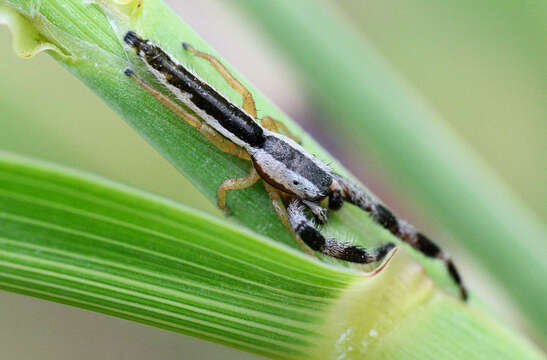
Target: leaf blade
64, 249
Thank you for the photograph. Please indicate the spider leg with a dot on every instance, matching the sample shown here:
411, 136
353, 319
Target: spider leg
248, 101
427, 247
304, 228
222, 143
281, 211
321, 214
235, 184
218, 140
343, 190
275, 125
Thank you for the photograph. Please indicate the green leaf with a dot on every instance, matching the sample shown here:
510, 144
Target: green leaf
87, 242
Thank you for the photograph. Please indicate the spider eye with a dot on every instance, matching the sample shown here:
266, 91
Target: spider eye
295, 182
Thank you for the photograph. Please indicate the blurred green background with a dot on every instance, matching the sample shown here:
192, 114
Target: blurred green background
481, 65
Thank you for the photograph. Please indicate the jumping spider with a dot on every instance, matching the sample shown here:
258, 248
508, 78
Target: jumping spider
287, 169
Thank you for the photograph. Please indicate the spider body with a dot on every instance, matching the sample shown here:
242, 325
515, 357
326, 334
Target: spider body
288, 170
279, 160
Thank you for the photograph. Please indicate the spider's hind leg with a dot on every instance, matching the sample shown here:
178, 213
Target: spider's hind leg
277, 126
235, 184
304, 228
248, 101
214, 137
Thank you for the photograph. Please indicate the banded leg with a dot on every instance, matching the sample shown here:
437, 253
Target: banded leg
277, 126
427, 247
281, 211
248, 101
343, 190
330, 247
235, 184
275, 195
218, 140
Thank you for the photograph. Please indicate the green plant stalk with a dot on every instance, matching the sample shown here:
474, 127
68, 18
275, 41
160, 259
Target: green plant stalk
85, 42
87, 242
373, 106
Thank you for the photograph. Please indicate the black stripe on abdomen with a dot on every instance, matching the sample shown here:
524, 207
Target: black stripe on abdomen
204, 97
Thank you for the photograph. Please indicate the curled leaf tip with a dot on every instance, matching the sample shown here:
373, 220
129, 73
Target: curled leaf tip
27, 40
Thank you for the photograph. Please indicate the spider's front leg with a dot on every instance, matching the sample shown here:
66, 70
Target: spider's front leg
343, 190
305, 229
320, 213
